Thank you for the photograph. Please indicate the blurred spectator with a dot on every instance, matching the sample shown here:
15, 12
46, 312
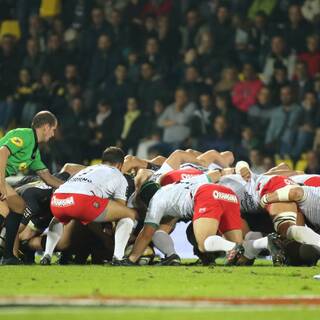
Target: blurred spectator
105, 128
220, 138
202, 117
153, 55
103, 62
118, 29
278, 55
256, 161
223, 107
55, 57
34, 59
150, 87
176, 118
259, 37
118, 89
75, 130
301, 83
312, 56
260, 113
133, 129
91, 34
268, 163
284, 122
241, 37
223, 31
308, 121
248, 143
71, 73
9, 66
313, 166
229, 77
193, 83
190, 30
278, 80
25, 108
297, 29
244, 92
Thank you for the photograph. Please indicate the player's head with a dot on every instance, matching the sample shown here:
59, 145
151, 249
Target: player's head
45, 123
113, 156
147, 191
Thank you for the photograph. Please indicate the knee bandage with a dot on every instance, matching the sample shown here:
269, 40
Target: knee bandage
284, 217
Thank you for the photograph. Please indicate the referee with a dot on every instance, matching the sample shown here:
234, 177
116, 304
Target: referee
19, 151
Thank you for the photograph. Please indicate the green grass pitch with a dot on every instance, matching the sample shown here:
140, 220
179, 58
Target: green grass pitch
261, 280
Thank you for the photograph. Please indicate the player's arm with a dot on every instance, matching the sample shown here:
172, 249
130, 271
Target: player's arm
4, 155
288, 193
49, 179
142, 241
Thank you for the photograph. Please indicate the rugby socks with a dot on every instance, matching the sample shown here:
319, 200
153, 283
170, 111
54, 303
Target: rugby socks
164, 243
217, 243
122, 234
12, 225
253, 235
54, 234
253, 247
303, 235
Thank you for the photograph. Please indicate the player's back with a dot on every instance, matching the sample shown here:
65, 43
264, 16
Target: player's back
312, 180
100, 180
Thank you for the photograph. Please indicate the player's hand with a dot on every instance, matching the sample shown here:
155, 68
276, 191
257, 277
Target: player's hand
3, 192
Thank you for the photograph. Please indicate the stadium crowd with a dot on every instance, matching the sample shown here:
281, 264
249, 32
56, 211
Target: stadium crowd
153, 75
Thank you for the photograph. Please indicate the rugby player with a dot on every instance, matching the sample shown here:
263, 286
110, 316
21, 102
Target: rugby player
210, 206
95, 194
285, 215
19, 151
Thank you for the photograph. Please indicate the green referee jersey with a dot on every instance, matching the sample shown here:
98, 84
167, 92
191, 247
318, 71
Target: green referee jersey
24, 152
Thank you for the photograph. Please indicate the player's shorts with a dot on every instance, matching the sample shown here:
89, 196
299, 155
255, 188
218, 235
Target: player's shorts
313, 182
219, 203
68, 206
179, 175
275, 183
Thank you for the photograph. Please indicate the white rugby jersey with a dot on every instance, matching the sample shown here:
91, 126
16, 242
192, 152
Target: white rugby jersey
99, 180
174, 200
165, 168
310, 206
248, 200
302, 178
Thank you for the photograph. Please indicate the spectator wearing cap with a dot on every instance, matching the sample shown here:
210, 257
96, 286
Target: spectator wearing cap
244, 92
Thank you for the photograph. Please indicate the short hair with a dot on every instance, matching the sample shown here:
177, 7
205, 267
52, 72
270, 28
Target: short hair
113, 155
42, 118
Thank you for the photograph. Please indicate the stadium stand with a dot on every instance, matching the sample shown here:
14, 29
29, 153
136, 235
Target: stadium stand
157, 75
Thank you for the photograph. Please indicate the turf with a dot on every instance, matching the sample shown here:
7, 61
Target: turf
158, 314
260, 280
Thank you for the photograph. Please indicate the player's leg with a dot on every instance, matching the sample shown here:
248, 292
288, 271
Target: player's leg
285, 223
179, 157
125, 218
54, 234
16, 205
72, 168
205, 230
159, 160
